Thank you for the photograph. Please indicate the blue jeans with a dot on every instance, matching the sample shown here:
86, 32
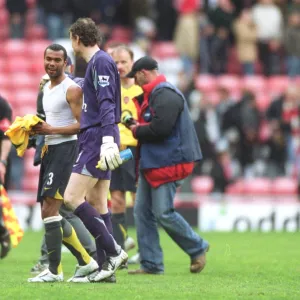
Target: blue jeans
156, 206
248, 68
55, 25
293, 66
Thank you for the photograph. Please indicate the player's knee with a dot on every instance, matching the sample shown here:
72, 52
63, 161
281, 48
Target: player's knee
164, 217
118, 202
70, 199
49, 211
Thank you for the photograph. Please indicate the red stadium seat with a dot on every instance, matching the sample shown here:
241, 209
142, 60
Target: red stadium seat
24, 81
263, 101
18, 64
2, 4
15, 48
37, 48
4, 16
121, 34
236, 188
233, 64
202, 185
35, 32
4, 32
212, 97
30, 183
278, 85
161, 50
264, 131
254, 84
257, 186
2, 64
31, 3
4, 82
31, 17
37, 68
206, 83
231, 82
284, 186
6, 94
26, 97
22, 110
30, 169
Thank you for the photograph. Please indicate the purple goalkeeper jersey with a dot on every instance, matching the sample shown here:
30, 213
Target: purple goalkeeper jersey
101, 94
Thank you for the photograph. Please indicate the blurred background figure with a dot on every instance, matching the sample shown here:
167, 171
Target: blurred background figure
292, 42
17, 10
269, 21
246, 41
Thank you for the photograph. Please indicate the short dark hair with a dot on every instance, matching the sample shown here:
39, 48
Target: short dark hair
57, 47
127, 49
87, 31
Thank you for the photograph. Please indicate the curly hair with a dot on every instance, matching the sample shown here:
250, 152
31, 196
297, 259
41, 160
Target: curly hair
87, 31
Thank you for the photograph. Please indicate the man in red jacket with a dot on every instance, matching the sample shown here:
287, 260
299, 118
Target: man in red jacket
168, 148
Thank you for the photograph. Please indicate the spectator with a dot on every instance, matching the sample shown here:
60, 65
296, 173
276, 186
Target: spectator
223, 15
276, 152
226, 102
269, 21
294, 6
206, 126
284, 113
207, 41
17, 10
246, 41
292, 44
242, 4
55, 16
245, 118
165, 20
221, 18
187, 33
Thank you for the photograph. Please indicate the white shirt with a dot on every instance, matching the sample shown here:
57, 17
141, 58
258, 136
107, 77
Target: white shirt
57, 110
269, 21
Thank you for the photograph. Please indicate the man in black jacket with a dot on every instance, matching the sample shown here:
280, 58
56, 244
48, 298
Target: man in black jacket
168, 150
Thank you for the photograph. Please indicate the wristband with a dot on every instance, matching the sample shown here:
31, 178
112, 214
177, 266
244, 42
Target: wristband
107, 139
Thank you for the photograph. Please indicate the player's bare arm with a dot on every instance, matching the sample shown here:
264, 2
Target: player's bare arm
74, 98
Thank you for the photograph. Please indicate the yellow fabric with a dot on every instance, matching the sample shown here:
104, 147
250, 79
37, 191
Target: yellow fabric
44, 150
128, 107
59, 268
20, 130
123, 230
58, 196
10, 219
75, 243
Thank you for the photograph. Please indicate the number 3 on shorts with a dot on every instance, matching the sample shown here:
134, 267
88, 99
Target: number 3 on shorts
50, 180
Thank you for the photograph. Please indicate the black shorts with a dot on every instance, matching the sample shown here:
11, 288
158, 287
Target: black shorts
124, 178
56, 169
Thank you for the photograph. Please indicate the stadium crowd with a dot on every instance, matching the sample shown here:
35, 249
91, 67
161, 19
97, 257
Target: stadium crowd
237, 67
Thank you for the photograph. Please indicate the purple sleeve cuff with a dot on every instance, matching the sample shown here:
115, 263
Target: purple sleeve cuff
108, 130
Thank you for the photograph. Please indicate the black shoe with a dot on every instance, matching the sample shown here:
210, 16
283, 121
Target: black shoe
5, 244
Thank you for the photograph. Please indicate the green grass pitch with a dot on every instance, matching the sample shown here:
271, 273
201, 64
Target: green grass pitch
239, 266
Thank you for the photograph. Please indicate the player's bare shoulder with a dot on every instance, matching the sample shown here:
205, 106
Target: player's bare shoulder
74, 92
